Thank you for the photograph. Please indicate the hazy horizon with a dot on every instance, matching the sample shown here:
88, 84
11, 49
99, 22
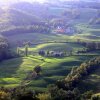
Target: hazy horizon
41, 1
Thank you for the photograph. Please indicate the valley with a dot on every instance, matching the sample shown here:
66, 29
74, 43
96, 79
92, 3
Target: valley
50, 49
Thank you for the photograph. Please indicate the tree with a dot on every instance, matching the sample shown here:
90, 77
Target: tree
61, 94
18, 50
4, 49
26, 50
48, 53
44, 96
37, 69
4, 95
76, 93
42, 52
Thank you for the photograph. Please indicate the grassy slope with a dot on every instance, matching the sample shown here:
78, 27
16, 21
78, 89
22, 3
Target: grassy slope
90, 33
63, 47
14, 71
82, 23
38, 37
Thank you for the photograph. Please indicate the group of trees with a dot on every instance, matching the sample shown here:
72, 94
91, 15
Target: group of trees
78, 73
45, 53
91, 46
19, 93
54, 53
74, 77
25, 52
27, 29
22, 93
61, 94
63, 89
4, 49
34, 73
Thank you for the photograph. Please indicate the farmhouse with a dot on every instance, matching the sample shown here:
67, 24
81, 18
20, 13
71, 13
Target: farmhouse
68, 30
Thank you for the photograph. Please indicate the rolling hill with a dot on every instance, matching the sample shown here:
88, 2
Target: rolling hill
10, 18
31, 13
46, 28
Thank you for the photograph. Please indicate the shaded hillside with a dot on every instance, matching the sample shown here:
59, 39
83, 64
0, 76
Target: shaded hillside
14, 17
37, 9
18, 18
25, 17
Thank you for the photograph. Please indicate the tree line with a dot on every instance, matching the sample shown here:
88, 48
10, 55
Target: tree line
26, 29
71, 81
90, 46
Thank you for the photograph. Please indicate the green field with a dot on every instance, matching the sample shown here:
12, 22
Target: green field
38, 38
14, 71
89, 32
63, 47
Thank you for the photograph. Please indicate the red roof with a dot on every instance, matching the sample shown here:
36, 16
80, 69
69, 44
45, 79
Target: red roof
60, 30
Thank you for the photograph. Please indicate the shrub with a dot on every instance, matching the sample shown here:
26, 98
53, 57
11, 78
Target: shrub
4, 95
44, 96
96, 97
